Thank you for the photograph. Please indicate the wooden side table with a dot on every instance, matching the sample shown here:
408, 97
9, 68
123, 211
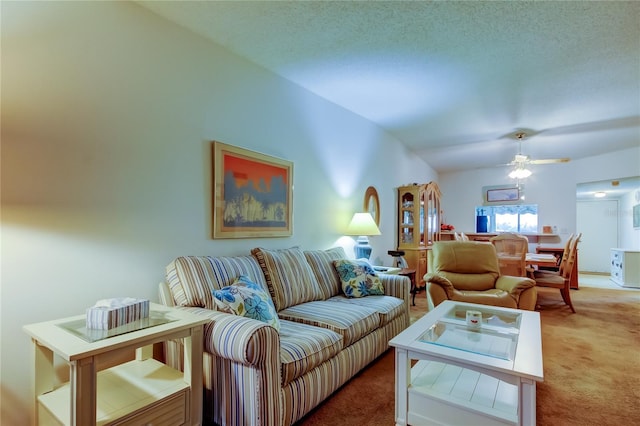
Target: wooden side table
141, 391
411, 274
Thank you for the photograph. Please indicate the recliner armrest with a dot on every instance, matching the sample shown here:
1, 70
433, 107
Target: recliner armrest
514, 285
443, 282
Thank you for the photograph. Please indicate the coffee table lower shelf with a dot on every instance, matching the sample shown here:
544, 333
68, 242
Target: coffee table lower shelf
447, 394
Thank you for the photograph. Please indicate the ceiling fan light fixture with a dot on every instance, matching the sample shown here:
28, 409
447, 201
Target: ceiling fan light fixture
520, 159
520, 173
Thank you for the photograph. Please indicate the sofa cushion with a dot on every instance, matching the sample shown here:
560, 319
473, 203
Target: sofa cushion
303, 347
247, 299
192, 279
352, 323
387, 307
288, 275
358, 278
321, 262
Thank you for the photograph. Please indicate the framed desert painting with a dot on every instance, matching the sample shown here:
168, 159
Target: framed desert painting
252, 194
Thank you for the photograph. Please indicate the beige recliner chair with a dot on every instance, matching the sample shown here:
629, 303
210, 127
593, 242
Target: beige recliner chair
468, 271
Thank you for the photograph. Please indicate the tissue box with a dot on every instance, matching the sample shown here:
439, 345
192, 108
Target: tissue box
111, 313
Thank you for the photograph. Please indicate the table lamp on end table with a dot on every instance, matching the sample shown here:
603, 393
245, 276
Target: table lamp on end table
362, 225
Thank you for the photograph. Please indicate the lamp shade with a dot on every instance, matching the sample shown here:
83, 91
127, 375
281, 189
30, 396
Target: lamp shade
362, 224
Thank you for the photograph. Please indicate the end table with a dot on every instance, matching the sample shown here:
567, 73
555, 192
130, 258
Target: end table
139, 391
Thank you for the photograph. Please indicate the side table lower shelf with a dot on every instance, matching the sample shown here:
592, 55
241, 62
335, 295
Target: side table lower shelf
137, 392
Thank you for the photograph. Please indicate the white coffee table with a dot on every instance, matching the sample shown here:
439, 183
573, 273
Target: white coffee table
467, 377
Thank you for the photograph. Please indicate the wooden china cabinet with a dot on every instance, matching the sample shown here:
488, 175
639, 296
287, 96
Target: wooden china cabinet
418, 224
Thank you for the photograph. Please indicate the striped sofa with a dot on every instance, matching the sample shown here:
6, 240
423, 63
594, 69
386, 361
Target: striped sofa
255, 375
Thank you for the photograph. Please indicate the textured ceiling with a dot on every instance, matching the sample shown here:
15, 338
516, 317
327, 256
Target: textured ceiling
453, 81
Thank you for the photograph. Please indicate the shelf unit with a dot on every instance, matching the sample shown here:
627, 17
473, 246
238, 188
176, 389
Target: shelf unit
532, 237
418, 224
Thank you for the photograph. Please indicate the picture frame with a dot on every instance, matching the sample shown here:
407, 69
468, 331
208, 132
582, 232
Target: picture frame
372, 204
498, 195
252, 194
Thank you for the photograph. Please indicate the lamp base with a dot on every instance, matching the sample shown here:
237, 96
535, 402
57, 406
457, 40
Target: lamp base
362, 250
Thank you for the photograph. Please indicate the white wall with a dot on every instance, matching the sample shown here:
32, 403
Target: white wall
552, 187
107, 116
629, 236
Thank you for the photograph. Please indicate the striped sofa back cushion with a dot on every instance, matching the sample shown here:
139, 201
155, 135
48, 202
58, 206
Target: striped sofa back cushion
321, 261
192, 279
288, 275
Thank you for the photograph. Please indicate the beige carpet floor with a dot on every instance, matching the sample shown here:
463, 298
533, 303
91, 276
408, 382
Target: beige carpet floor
591, 366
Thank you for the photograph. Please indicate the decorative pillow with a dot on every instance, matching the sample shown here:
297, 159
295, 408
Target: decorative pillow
247, 299
289, 277
358, 278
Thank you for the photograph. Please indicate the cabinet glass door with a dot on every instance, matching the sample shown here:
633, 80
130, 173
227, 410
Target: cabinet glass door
433, 214
407, 218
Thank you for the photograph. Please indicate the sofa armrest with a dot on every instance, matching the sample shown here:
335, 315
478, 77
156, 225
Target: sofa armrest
164, 294
238, 339
397, 286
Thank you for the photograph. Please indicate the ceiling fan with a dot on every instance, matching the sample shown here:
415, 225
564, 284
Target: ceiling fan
524, 159
520, 160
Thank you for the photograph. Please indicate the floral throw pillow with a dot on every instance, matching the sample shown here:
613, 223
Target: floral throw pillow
246, 298
358, 278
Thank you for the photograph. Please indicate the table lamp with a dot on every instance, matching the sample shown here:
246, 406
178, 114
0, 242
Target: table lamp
362, 225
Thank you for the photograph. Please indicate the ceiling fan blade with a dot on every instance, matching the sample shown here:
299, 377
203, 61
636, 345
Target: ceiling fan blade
550, 161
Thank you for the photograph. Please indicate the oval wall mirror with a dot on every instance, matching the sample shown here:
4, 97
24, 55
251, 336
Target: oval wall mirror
372, 204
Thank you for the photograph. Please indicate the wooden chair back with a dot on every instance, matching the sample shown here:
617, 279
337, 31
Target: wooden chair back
565, 254
512, 252
571, 258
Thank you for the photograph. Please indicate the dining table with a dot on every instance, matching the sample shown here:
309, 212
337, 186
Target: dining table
541, 259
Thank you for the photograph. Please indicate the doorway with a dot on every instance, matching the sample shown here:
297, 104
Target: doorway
598, 222
603, 215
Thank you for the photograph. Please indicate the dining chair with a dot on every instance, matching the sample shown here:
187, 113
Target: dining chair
512, 252
563, 260
561, 281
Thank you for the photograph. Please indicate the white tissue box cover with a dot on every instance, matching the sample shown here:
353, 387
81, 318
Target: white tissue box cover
110, 313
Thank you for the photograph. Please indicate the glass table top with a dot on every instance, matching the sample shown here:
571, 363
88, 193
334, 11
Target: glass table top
496, 337
79, 327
